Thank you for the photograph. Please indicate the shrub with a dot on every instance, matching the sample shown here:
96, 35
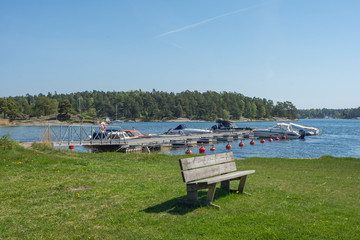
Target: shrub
7, 143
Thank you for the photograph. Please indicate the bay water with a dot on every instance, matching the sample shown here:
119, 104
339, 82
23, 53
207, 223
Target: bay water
339, 138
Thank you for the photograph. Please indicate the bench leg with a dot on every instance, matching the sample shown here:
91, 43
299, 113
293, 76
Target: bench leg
192, 196
225, 185
211, 193
242, 184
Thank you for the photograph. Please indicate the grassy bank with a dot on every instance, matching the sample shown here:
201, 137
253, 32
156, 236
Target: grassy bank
51, 194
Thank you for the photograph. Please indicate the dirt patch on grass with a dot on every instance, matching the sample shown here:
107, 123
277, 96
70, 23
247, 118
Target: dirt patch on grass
81, 188
26, 144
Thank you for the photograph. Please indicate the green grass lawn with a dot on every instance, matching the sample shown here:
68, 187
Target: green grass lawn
57, 194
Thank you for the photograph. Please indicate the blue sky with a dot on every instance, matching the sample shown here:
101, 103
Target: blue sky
306, 52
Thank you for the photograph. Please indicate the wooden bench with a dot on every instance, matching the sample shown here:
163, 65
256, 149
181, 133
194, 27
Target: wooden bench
206, 171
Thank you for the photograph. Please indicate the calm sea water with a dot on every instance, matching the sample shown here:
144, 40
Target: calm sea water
339, 138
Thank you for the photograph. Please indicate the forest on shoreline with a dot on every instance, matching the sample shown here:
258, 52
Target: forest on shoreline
349, 113
146, 106
158, 105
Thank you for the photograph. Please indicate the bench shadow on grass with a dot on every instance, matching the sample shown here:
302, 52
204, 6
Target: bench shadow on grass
174, 207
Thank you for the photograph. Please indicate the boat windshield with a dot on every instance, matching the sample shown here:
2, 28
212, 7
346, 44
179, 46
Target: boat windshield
135, 133
282, 126
129, 134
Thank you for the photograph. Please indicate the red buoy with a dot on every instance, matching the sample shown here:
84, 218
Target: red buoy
283, 137
188, 152
262, 141
270, 140
212, 149
252, 142
202, 150
228, 146
71, 147
277, 139
241, 144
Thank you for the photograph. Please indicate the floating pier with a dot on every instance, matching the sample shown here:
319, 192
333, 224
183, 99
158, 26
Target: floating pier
81, 135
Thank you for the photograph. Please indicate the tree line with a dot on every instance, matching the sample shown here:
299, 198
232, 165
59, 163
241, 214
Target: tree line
147, 106
349, 113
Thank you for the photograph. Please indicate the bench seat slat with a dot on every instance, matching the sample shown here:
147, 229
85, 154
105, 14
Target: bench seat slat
224, 177
202, 161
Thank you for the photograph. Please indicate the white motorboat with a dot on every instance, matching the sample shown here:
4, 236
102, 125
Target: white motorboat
309, 131
113, 133
279, 130
183, 130
109, 134
116, 122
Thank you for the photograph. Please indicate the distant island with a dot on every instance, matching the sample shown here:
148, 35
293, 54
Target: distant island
155, 106
350, 113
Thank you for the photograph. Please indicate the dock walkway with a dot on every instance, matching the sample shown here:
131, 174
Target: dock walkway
76, 136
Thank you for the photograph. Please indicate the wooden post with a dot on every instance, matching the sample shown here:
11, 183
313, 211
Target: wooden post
211, 193
192, 193
242, 184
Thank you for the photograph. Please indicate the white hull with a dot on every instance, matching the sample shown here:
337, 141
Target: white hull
183, 130
266, 133
188, 131
278, 130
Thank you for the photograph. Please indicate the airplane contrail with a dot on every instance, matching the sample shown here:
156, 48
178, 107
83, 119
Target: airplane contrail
203, 22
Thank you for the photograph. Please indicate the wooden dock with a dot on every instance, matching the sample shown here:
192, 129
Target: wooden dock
155, 142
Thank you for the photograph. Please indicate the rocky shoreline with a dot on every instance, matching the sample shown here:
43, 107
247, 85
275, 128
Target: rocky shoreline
46, 122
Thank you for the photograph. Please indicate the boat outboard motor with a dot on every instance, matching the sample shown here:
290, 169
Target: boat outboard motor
302, 134
214, 127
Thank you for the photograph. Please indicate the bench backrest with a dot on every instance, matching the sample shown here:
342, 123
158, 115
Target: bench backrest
196, 168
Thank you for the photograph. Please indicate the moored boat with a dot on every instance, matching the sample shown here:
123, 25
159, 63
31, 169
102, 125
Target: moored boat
279, 130
309, 131
116, 122
113, 133
226, 125
134, 133
183, 130
109, 134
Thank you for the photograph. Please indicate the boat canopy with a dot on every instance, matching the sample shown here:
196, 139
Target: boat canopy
225, 123
181, 126
312, 130
284, 126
